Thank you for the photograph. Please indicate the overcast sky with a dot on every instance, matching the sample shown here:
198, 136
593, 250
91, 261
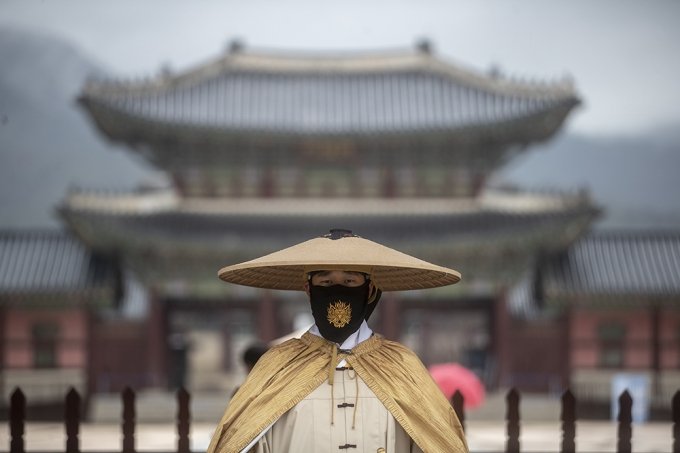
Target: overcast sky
621, 54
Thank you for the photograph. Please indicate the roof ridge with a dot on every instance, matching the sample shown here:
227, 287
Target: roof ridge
335, 61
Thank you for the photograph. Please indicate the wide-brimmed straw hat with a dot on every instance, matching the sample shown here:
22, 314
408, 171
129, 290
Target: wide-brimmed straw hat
389, 269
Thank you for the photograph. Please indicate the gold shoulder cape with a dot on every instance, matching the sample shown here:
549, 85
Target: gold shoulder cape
291, 371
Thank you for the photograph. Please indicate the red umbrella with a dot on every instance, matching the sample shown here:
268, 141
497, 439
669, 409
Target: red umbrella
452, 376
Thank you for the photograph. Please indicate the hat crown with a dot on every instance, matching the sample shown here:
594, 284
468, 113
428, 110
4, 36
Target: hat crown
339, 233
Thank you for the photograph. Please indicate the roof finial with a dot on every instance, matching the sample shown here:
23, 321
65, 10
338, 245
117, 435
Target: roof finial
165, 70
236, 45
423, 45
495, 71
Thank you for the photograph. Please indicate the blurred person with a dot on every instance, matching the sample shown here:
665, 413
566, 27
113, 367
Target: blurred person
252, 354
250, 357
340, 387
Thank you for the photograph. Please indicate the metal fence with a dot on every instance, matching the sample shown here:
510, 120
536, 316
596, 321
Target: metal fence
72, 419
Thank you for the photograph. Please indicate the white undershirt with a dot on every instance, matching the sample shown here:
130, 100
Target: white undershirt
362, 334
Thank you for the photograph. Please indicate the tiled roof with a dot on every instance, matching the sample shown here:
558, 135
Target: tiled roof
436, 230
616, 264
51, 263
602, 268
385, 94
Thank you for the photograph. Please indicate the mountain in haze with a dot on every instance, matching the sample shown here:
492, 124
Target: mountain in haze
635, 179
47, 144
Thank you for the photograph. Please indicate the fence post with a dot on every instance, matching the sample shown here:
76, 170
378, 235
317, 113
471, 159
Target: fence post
675, 405
183, 416
128, 420
512, 417
17, 419
568, 418
625, 418
458, 403
72, 420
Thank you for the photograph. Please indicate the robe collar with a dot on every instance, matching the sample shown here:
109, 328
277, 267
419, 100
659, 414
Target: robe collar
362, 334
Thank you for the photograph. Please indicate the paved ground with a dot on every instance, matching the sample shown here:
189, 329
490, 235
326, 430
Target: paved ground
483, 436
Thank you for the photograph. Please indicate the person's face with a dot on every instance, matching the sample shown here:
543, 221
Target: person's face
330, 278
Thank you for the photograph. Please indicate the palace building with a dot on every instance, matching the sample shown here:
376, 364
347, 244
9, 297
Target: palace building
266, 149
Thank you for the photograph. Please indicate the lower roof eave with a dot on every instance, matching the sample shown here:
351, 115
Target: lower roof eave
132, 129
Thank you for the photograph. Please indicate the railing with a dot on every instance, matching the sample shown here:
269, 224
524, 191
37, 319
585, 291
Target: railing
17, 420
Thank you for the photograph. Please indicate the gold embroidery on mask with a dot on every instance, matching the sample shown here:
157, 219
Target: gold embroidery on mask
339, 314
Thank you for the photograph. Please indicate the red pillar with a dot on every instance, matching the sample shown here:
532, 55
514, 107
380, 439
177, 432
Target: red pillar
426, 338
390, 312
267, 189
157, 348
567, 348
266, 317
389, 183
656, 349
3, 340
90, 350
502, 338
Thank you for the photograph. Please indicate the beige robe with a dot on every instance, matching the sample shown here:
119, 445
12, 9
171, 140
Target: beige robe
346, 414
289, 373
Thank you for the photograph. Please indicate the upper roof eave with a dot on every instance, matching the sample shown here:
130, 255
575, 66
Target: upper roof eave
536, 122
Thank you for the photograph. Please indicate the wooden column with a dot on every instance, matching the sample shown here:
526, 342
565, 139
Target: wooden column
356, 189
3, 340
501, 338
567, 348
90, 350
389, 187
267, 185
236, 183
266, 317
227, 353
301, 189
157, 345
426, 338
180, 183
656, 349
390, 315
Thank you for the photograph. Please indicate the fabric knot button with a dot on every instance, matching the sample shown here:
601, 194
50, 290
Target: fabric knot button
344, 405
347, 446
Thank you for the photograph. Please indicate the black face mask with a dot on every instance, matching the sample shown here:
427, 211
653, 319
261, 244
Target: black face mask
338, 310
